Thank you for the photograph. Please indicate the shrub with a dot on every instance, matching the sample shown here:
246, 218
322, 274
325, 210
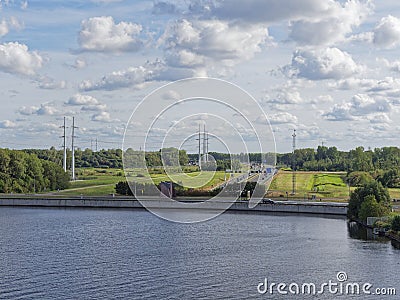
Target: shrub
395, 226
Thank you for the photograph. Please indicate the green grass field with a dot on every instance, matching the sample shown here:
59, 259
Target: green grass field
100, 182
322, 185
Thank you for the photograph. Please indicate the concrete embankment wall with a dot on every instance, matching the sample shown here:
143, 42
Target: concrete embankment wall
117, 202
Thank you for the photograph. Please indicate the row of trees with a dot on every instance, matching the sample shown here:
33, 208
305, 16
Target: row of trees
21, 172
388, 179
111, 158
307, 159
331, 159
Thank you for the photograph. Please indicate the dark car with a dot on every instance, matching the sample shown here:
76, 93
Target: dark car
268, 201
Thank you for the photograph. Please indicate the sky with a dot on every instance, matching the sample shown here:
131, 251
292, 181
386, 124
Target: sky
329, 69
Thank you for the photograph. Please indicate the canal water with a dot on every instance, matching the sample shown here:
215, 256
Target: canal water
131, 254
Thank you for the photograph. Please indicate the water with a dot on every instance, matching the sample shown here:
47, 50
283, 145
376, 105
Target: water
122, 254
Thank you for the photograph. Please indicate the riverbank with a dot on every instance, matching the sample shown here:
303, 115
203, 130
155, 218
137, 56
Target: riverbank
302, 207
390, 235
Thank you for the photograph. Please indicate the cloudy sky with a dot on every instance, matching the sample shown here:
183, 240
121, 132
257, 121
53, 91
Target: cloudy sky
329, 68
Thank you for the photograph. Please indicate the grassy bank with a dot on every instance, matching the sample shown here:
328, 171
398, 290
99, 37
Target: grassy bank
324, 185
100, 182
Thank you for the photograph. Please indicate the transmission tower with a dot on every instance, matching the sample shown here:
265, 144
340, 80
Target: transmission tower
73, 148
199, 139
64, 136
204, 145
294, 163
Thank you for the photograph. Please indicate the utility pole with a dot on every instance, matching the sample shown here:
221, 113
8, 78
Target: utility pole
96, 144
205, 142
199, 139
64, 147
294, 163
73, 149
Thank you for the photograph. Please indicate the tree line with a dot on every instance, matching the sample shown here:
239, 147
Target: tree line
332, 159
22, 172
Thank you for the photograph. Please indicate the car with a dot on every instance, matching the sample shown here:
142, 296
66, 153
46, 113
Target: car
268, 201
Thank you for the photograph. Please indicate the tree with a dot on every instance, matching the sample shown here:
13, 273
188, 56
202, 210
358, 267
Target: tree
371, 208
358, 178
123, 188
395, 225
390, 178
357, 198
22, 172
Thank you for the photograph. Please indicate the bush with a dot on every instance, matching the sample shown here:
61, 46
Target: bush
395, 226
360, 195
371, 208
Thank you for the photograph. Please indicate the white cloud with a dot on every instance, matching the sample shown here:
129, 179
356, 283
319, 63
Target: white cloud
261, 11
360, 106
319, 64
395, 66
381, 127
184, 58
322, 99
353, 83
171, 95
387, 33
339, 112
137, 76
46, 109
161, 8
379, 118
24, 5
198, 42
14, 23
364, 104
6, 25
286, 96
16, 58
102, 117
50, 84
80, 63
79, 99
3, 28
282, 118
98, 108
120, 79
28, 110
332, 27
103, 35
88, 104
7, 124
105, 1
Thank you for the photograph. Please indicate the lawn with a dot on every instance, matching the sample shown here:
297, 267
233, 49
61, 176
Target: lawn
98, 182
322, 185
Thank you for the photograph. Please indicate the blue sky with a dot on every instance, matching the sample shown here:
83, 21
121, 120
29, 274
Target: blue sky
329, 69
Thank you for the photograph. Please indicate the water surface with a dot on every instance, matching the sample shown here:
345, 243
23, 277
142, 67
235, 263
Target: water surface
131, 254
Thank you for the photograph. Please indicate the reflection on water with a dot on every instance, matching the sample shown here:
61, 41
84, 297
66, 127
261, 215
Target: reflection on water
356, 231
